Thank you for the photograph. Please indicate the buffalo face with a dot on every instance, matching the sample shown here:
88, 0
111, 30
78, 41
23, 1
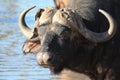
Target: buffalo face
55, 47
60, 48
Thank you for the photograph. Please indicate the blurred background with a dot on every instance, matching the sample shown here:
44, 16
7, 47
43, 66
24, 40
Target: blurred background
14, 65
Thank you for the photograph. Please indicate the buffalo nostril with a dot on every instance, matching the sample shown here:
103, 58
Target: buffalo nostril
39, 58
45, 58
42, 58
50, 59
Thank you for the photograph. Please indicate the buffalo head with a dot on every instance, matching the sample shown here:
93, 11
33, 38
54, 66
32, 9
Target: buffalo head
60, 36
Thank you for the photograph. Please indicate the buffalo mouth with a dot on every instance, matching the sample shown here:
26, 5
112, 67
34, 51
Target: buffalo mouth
54, 62
31, 46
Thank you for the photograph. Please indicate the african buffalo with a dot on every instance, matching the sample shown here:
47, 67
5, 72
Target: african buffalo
77, 38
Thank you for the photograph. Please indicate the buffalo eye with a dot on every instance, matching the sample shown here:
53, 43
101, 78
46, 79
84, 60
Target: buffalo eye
63, 38
65, 34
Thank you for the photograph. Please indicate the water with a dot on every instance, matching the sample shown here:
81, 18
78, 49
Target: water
14, 65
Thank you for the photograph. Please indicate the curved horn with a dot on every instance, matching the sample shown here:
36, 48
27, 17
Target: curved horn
97, 37
66, 17
101, 37
22, 24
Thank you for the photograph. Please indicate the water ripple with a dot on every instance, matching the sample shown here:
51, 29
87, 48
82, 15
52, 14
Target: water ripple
14, 65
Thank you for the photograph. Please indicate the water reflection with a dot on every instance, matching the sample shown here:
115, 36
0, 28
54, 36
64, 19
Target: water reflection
13, 64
